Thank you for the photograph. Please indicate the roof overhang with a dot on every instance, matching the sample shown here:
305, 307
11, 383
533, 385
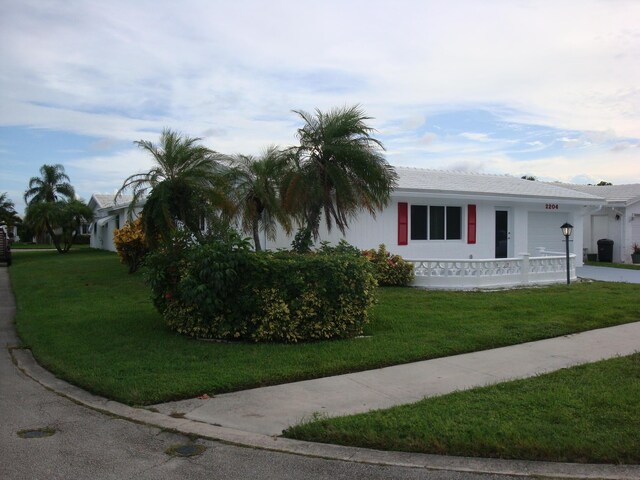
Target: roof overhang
475, 196
101, 222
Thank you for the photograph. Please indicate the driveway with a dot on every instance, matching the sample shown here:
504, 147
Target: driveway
608, 274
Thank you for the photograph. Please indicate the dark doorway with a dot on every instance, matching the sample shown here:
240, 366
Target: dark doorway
502, 233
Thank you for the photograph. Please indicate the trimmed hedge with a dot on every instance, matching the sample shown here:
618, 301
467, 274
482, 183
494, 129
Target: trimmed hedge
223, 290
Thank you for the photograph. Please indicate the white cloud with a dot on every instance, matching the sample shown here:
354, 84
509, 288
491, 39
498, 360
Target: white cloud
428, 138
231, 71
414, 122
595, 166
622, 146
476, 137
551, 58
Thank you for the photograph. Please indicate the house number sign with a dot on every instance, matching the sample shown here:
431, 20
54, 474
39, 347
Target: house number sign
551, 206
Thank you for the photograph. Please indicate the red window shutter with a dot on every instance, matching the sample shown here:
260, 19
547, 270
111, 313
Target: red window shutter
403, 223
471, 224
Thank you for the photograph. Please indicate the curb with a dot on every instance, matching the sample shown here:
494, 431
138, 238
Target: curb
26, 363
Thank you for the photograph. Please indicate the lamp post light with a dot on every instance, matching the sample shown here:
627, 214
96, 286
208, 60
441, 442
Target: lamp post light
567, 228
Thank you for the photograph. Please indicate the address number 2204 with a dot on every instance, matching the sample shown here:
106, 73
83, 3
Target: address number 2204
551, 206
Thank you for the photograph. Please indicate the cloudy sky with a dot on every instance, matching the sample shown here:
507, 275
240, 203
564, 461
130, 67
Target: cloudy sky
543, 88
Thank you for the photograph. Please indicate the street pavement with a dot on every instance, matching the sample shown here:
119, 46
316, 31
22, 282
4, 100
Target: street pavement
608, 274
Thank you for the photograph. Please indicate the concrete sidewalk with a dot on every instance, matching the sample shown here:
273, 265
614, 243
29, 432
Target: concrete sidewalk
269, 410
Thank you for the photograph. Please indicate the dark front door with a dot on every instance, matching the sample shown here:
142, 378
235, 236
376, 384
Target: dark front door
502, 233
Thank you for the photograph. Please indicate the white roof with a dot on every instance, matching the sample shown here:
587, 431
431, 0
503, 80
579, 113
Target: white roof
106, 200
463, 183
625, 194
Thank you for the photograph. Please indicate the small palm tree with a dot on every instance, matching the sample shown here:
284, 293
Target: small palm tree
62, 219
340, 169
256, 192
52, 186
184, 186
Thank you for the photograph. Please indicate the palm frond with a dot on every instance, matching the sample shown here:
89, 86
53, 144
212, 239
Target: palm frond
52, 185
341, 169
184, 184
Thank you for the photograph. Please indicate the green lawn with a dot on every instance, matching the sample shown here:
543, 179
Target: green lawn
587, 414
91, 323
31, 246
41, 246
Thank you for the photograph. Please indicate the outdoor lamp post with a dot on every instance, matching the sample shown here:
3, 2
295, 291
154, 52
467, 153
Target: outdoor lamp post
567, 228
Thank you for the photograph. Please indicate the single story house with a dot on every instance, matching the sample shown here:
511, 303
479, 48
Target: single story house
108, 216
471, 229
618, 219
461, 230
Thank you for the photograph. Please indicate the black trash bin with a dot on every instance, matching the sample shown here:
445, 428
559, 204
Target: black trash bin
605, 250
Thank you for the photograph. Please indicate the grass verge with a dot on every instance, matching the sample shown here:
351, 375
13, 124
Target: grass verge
588, 414
91, 323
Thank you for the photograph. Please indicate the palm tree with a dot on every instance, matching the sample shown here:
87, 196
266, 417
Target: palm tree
52, 185
256, 192
8, 215
184, 186
340, 169
62, 219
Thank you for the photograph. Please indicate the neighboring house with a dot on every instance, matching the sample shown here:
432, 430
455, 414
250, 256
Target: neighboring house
618, 219
108, 216
436, 216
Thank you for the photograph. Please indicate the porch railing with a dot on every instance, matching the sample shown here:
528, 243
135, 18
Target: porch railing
457, 274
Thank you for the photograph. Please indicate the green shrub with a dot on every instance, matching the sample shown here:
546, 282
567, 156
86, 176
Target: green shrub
302, 241
166, 265
342, 247
390, 270
224, 290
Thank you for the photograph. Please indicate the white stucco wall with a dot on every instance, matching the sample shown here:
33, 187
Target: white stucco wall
632, 230
102, 236
367, 232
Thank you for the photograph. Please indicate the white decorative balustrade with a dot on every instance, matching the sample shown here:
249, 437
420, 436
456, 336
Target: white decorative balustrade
492, 273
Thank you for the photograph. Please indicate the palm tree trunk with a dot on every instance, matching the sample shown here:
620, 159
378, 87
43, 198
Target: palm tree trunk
54, 239
256, 236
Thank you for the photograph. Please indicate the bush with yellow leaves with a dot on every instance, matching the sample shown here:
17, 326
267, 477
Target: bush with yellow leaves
131, 244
